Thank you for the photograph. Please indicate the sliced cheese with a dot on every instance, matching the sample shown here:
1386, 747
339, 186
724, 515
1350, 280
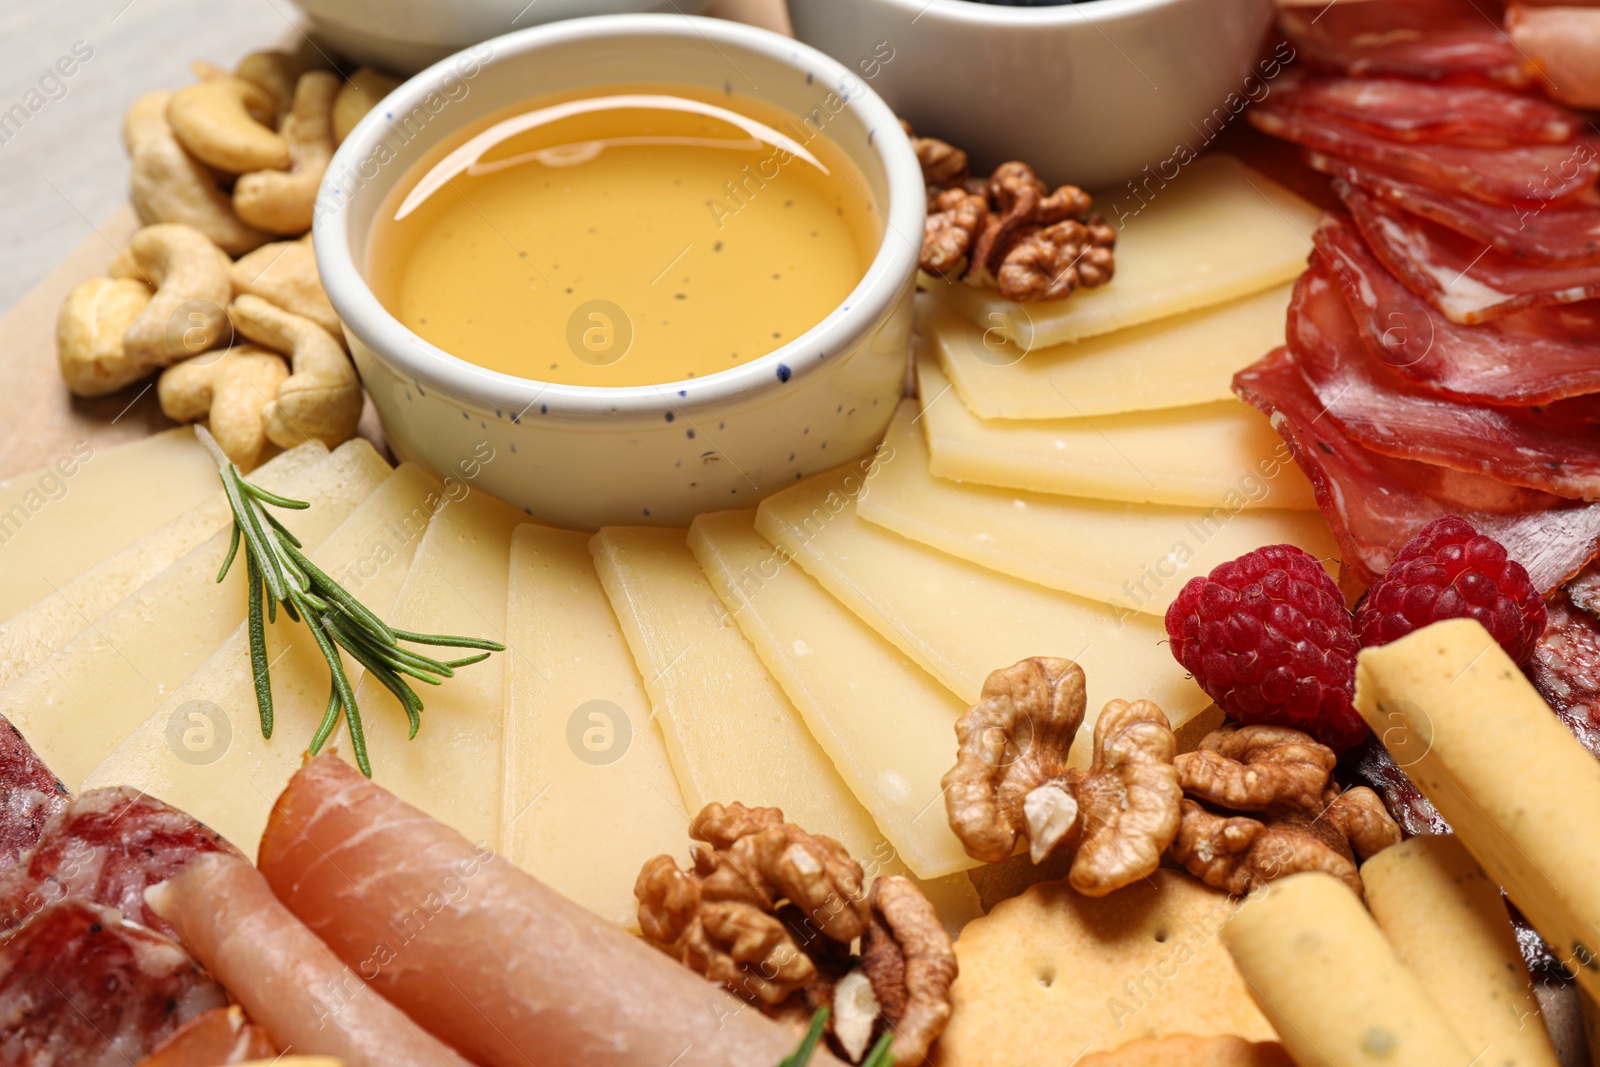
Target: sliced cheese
961, 621
1448, 923
1215, 455
202, 750
91, 503
1131, 557
36, 632
1520, 791
1330, 984
1170, 363
1216, 232
886, 723
78, 704
585, 762
456, 585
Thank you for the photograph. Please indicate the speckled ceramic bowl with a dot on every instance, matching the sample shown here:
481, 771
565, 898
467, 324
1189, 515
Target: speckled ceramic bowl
585, 456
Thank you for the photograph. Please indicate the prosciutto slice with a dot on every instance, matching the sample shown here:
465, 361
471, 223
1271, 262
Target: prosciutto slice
1416, 38
79, 987
1374, 504
29, 794
1557, 235
1468, 115
1556, 448
106, 846
1469, 282
1541, 173
214, 1038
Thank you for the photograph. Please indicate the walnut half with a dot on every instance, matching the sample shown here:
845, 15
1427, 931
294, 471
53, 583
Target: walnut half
1012, 779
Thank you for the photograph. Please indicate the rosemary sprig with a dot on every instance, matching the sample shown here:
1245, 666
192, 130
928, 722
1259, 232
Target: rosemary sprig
279, 573
877, 1056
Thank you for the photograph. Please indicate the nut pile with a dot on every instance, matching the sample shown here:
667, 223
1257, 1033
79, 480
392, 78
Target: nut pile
1009, 231
226, 167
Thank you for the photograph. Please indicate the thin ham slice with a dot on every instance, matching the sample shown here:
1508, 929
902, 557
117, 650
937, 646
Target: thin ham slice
214, 1038
1467, 115
1561, 42
29, 794
1416, 38
1465, 279
288, 981
1531, 357
1556, 235
1374, 504
1555, 448
80, 988
483, 954
1540, 173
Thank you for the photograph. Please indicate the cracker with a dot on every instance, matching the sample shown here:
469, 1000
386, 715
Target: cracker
1221, 1051
1053, 973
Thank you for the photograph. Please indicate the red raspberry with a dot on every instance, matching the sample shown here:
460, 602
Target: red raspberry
1451, 571
1268, 638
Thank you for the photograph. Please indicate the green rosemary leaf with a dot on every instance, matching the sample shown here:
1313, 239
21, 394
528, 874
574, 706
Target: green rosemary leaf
393, 657
466, 661
330, 719
277, 524
268, 497
880, 1056
447, 641
233, 550
335, 593
341, 684
808, 1044
259, 668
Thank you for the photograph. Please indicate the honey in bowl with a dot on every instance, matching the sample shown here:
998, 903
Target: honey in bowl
624, 235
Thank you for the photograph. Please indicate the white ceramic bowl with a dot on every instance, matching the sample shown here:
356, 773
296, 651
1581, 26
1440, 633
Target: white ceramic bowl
403, 36
1088, 93
586, 456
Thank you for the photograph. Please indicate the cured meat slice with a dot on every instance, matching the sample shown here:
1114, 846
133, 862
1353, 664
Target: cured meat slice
1469, 115
1406, 803
1416, 38
106, 846
521, 968
80, 987
289, 982
1530, 357
1565, 668
1558, 235
29, 794
1561, 43
214, 1038
1466, 280
1374, 504
1555, 448
1540, 173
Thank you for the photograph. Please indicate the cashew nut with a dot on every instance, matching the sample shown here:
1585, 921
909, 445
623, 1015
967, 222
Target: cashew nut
283, 201
277, 72
359, 95
229, 390
285, 273
89, 335
322, 398
226, 122
188, 313
167, 184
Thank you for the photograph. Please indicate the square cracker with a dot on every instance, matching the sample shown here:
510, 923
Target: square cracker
1052, 974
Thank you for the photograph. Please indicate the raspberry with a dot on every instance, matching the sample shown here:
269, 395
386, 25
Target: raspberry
1268, 638
1451, 571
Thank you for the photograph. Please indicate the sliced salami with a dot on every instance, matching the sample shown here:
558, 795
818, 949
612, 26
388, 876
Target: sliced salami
1432, 39
1467, 115
1531, 357
1555, 448
1374, 504
106, 846
1539, 173
1465, 279
1563, 234
79, 987
29, 794
1565, 668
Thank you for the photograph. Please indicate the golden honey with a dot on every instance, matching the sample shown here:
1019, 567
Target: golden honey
624, 235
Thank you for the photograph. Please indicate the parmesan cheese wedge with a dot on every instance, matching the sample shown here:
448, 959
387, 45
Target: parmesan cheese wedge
202, 750
1217, 232
960, 621
1132, 557
1222, 455
1330, 984
456, 585
1448, 923
1170, 363
887, 724
91, 503
585, 761
36, 632
78, 704
1519, 790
